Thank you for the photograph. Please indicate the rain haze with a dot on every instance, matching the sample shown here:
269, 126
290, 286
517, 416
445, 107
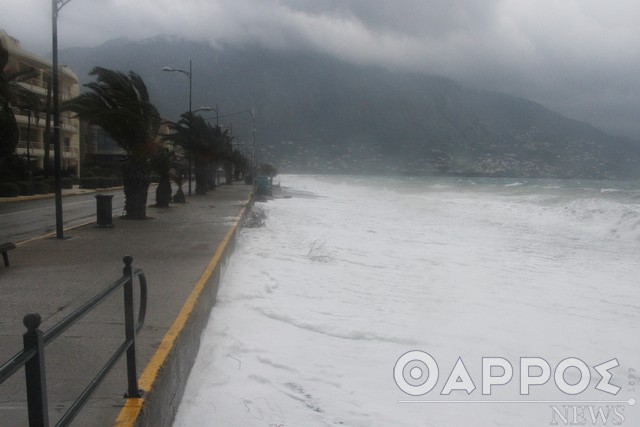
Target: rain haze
577, 57
449, 183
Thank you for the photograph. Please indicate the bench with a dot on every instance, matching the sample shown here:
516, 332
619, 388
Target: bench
4, 247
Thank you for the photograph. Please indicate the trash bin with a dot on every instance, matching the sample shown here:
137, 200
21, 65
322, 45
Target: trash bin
264, 186
103, 210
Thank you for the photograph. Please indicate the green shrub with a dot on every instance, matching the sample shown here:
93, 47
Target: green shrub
41, 187
51, 182
100, 182
104, 182
96, 171
89, 182
66, 183
9, 189
27, 188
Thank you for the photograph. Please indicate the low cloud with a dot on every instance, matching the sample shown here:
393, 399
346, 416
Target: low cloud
579, 57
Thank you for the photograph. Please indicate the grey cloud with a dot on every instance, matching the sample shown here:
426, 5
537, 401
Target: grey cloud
580, 57
417, 18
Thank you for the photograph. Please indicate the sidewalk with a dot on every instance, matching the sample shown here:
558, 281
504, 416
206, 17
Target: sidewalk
53, 277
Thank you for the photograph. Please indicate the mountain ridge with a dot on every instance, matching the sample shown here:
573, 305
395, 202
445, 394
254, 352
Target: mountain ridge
320, 114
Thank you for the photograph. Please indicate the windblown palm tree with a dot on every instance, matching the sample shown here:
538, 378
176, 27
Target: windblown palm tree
119, 103
205, 145
162, 163
240, 163
225, 154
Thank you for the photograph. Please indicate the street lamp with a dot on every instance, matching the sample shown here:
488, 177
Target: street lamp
29, 144
56, 6
253, 139
217, 116
188, 74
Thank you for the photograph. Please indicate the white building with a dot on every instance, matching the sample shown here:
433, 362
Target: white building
32, 124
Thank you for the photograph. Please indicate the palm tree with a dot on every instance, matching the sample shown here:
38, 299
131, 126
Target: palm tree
162, 163
239, 165
226, 154
119, 103
203, 146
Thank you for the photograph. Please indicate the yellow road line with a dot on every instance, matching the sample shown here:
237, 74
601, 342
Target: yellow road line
53, 233
131, 410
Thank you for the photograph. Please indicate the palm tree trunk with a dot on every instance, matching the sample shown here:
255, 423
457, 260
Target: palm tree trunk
201, 178
163, 192
136, 182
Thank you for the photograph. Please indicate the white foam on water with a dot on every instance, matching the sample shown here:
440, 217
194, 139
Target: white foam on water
316, 307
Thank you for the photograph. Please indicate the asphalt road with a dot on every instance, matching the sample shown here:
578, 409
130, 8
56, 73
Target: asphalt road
24, 220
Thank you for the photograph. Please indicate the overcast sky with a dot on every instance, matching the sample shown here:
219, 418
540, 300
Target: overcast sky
578, 57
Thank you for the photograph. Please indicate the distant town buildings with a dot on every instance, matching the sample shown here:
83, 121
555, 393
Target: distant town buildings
32, 123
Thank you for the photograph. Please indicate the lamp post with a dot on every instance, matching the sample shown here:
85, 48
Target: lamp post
253, 139
188, 74
29, 145
56, 6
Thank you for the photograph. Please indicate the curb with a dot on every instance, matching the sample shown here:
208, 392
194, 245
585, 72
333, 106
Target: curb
75, 192
164, 379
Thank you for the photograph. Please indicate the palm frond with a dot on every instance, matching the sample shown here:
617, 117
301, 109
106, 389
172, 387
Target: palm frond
119, 103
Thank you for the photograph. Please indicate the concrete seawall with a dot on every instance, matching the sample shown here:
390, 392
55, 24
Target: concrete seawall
165, 377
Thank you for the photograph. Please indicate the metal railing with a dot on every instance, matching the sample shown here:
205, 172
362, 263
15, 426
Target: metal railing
32, 356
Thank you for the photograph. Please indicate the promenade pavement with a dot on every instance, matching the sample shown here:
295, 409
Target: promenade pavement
53, 277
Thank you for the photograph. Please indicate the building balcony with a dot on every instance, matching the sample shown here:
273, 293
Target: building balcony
39, 87
36, 149
40, 121
71, 126
35, 86
22, 116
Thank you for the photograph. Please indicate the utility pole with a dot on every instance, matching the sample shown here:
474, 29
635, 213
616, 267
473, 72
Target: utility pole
56, 5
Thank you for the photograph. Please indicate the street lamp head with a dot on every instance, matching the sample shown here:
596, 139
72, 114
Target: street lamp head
204, 108
186, 73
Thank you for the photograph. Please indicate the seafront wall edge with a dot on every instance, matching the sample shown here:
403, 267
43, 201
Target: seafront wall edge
164, 379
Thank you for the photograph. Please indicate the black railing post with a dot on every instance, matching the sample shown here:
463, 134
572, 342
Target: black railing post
130, 332
35, 373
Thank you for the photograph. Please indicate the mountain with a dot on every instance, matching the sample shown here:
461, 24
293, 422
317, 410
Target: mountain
316, 113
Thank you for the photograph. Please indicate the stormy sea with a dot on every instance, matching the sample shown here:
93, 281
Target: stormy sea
422, 301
